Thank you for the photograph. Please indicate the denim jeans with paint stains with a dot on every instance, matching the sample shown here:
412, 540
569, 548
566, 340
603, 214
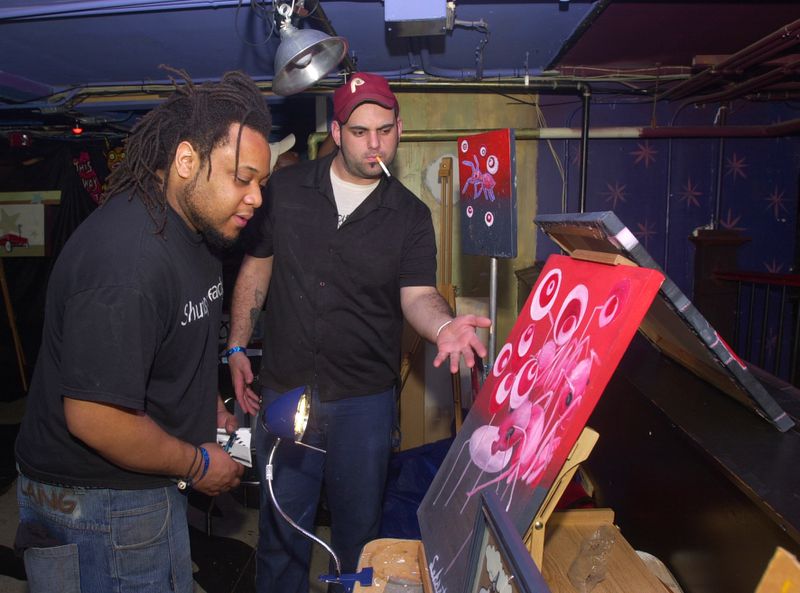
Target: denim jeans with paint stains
120, 541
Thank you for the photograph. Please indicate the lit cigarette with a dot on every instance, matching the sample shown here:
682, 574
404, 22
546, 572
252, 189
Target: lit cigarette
385, 170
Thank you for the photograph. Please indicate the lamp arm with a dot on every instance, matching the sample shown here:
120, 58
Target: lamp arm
268, 473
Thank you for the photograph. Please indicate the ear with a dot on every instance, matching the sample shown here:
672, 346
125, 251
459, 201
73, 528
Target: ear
399, 127
336, 133
186, 160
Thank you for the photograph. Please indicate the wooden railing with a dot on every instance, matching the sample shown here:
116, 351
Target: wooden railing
767, 324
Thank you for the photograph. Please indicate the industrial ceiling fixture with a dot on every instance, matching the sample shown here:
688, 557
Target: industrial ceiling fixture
304, 56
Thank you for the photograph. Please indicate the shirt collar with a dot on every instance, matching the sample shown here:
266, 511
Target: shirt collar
321, 180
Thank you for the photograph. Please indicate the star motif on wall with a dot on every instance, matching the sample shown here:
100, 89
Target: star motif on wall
773, 267
645, 153
736, 166
689, 194
645, 232
775, 200
615, 193
8, 222
730, 222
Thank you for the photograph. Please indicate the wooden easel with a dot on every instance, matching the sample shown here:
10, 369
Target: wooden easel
12, 323
404, 560
534, 537
446, 288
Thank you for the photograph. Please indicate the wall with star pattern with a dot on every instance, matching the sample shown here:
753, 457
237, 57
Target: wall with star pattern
664, 189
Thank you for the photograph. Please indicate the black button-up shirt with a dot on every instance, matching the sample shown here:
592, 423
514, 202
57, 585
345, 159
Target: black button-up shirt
333, 314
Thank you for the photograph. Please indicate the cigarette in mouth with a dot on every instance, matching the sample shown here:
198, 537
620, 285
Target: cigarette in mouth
385, 170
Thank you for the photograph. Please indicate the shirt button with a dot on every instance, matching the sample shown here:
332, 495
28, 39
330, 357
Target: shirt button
322, 283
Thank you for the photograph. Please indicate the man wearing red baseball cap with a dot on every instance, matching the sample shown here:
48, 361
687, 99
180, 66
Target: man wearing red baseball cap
346, 252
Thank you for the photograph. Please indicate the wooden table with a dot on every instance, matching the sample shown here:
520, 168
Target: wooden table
397, 561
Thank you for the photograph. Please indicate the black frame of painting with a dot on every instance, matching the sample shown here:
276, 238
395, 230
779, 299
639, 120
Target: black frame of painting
492, 523
672, 314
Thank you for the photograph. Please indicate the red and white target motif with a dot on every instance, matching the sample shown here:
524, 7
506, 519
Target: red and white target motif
525, 341
470, 211
545, 295
501, 393
502, 360
492, 164
464, 146
523, 383
483, 151
571, 314
489, 219
616, 300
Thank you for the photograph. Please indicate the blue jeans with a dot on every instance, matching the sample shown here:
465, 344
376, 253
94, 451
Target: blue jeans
356, 434
106, 541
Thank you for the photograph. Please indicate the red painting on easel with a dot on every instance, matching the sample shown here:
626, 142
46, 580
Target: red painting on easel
545, 382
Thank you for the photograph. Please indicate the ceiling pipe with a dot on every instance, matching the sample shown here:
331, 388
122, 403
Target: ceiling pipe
761, 50
787, 128
752, 84
34, 12
471, 73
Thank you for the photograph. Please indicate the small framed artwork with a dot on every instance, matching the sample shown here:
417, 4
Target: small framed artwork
499, 561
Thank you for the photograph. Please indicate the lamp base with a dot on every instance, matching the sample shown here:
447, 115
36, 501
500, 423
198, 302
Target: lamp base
363, 577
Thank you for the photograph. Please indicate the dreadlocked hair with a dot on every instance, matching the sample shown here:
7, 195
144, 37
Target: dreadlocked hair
200, 114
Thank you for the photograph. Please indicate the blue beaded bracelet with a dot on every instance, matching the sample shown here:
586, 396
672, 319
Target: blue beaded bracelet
234, 350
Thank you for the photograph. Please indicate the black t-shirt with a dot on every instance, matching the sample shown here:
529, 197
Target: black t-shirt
333, 314
131, 319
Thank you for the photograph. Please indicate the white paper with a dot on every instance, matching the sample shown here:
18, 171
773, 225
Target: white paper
238, 447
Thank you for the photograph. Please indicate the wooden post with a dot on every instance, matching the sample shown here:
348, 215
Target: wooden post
446, 273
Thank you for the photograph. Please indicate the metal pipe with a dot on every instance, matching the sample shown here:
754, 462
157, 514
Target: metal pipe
667, 202
586, 95
737, 316
52, 10
761, 50
492, 310
795, 345
787, 128
756, 82
748, 338
776, 365
764, 322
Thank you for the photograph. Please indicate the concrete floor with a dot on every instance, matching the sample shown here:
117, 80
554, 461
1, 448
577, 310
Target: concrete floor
223, 562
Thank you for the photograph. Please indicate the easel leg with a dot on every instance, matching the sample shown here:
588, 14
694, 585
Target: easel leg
13, 325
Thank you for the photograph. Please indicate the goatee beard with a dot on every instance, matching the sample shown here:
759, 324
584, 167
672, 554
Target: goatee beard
216, 241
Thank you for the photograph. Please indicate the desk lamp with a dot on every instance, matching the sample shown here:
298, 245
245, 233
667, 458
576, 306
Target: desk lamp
286, 418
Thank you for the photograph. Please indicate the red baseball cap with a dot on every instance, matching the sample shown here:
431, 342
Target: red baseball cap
362, 87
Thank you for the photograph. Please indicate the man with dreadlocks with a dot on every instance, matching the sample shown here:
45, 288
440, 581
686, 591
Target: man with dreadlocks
123, 406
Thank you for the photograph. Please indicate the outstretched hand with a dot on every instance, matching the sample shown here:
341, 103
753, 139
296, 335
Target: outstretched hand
242, 378
458, 339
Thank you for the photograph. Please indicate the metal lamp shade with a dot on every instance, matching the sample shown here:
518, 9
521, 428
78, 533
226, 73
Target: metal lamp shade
304, 57
287, 416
